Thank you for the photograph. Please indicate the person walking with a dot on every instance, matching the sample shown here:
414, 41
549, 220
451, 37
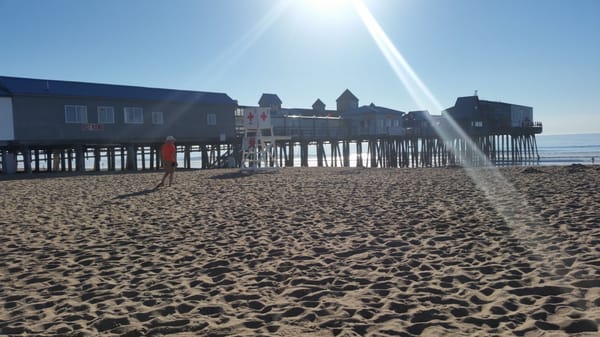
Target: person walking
168, 152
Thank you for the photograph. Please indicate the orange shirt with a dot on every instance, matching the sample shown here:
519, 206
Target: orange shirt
168, 152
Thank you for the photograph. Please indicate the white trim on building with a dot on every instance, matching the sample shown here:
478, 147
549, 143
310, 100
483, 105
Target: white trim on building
76, 114
133, 115
157, 118
106, 115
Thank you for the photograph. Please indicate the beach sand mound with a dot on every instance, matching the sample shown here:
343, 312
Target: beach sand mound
575, 168
531, 170
302, 252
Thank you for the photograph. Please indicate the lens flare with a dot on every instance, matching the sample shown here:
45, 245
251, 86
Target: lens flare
513, 207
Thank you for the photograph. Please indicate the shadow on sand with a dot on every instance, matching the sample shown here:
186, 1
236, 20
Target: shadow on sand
136, 194
231, 175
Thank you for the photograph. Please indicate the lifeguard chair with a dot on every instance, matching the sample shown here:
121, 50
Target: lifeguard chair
258, 144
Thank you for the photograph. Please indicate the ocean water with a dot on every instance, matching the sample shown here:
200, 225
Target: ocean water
569, 149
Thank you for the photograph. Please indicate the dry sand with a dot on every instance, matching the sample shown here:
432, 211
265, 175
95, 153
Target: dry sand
301, 252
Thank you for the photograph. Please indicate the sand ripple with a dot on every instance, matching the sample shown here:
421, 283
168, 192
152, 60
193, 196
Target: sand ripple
303, 252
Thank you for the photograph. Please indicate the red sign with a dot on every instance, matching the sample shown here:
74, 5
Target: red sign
92, 127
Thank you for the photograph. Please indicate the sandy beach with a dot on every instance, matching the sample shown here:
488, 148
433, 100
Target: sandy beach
302, 252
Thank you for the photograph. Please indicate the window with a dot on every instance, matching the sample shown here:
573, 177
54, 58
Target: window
157, 117
106, 115
76, 114
134, 115
211, 119
477, 124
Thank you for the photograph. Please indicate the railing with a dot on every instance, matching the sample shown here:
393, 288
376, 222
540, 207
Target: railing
222, 161
537, 127
311, 132
342, 132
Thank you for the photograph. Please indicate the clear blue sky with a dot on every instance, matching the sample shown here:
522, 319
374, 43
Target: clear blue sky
540, 53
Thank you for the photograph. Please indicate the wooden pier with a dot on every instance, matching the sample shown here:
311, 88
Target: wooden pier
395, 151
384, 151
107, 157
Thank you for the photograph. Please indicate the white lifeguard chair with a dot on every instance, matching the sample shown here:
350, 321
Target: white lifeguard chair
259, 153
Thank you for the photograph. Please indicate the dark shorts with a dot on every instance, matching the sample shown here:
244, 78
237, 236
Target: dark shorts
170, 166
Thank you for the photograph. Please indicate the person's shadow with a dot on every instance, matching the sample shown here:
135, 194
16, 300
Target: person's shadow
136, 194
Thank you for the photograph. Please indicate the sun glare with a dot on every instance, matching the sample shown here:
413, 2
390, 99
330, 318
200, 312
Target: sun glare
325, 6
512, 206
330, 10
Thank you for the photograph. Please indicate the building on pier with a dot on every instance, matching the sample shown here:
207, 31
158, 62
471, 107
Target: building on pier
48, 125
61, 123
481, 117
419, 123
348, 120
503, 132
371, 120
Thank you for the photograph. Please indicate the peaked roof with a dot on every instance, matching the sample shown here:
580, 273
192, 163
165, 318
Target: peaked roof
346, 96
463, 105
318, 104
268, 100
466, 102
28, 86
418, 114
372, 108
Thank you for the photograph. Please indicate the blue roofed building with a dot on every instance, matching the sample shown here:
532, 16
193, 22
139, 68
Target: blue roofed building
61, 117
37, 111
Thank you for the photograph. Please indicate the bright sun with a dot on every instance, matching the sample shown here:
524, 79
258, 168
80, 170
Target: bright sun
326, 5
330, 10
